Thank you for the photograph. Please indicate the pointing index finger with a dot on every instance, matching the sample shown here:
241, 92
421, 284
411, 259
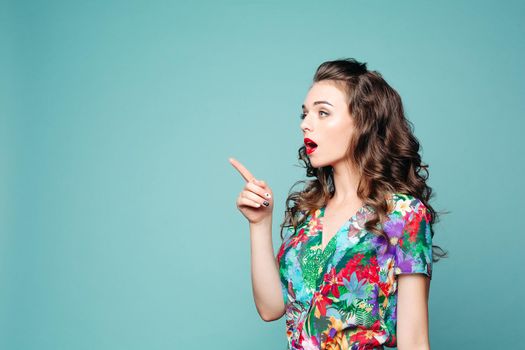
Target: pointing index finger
245, 173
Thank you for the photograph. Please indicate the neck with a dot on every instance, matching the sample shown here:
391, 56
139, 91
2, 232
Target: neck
346, 180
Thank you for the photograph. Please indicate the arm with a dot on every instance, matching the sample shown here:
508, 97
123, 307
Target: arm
414, 271
266, 284
412, 312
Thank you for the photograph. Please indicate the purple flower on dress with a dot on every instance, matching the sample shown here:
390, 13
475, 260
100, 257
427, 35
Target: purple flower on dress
380, 242
403, 262
332, 332
394, 312
373, 300
394, 227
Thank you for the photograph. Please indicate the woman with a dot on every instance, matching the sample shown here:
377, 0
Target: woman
354, 267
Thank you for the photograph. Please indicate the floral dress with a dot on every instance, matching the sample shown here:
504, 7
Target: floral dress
345, 296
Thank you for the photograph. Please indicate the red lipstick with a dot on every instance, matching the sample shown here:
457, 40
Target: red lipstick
310, 145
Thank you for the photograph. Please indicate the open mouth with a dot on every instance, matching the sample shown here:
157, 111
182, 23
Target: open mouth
310, 146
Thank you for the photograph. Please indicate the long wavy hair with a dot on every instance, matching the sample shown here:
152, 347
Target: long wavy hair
384, 151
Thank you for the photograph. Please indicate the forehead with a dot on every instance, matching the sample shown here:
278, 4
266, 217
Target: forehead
325, 90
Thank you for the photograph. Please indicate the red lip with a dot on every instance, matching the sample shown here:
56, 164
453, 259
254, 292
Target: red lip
310, 145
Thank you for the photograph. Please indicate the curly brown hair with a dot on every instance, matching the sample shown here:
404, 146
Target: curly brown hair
384, 150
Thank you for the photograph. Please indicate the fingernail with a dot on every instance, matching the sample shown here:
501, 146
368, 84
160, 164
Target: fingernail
266, 203
267, 195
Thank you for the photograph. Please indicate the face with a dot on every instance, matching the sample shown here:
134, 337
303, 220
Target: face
327, 122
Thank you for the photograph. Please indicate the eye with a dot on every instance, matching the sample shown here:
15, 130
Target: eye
326, 113
302, 115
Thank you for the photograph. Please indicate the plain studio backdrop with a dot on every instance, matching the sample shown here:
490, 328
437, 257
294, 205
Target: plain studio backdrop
118, 223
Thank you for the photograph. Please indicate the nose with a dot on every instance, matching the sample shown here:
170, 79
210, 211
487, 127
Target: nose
305, 124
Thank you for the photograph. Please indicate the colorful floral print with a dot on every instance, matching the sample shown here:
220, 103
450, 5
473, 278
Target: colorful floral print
345, 296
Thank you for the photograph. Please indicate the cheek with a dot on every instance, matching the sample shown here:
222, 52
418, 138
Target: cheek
339, 134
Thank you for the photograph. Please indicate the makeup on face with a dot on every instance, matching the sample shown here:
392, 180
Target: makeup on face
327, 123
310, 145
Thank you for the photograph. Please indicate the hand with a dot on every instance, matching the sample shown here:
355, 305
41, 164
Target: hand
254, 194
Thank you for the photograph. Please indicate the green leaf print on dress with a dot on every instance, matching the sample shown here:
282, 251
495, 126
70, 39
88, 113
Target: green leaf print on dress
313, 263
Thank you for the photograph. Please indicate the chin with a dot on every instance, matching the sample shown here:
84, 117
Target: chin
316, 164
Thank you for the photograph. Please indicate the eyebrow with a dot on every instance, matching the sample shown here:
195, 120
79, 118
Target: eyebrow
319, 102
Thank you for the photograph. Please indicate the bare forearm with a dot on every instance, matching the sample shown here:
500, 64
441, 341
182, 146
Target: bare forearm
266, 284
415, 347
412, 312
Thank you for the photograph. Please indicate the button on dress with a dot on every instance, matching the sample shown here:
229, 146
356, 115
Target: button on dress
345, 296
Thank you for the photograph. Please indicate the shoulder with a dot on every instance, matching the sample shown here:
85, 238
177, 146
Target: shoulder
406, 206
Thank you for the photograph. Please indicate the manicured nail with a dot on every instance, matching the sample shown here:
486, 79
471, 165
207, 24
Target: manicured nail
266, 203
267, 195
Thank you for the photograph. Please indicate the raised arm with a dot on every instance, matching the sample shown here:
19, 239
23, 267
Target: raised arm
266, 284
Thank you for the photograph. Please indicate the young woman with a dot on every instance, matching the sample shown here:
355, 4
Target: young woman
354, 267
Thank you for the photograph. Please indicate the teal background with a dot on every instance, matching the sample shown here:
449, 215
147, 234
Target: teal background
119, 228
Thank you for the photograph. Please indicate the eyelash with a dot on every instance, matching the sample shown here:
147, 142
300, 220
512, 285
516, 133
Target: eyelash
302, 115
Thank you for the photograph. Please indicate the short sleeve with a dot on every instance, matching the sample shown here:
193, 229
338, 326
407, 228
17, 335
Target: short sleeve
282, 265
288, 232
413, 253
